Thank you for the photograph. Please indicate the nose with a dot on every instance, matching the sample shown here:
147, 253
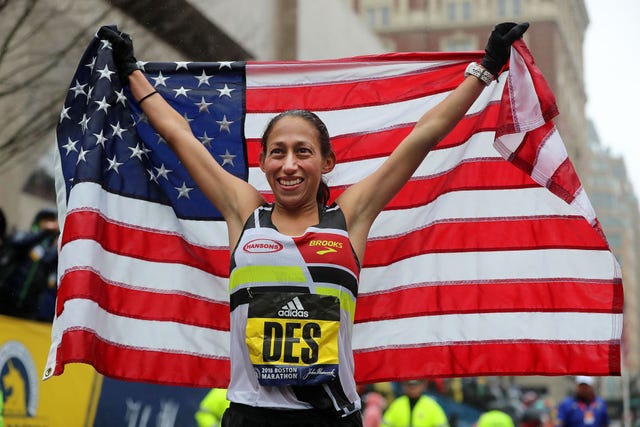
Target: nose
290, 162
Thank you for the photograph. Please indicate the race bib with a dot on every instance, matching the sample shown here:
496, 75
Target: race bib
293, 338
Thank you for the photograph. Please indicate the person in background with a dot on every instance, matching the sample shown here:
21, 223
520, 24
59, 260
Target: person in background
28, 268
495, 418
373, 405
212, 407
584, 408
414, 408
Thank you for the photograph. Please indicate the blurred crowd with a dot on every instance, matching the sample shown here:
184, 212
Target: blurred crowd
28, 267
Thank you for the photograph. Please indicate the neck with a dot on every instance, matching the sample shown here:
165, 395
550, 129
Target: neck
294, 222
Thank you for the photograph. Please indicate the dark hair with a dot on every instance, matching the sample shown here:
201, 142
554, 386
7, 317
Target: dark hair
323, 193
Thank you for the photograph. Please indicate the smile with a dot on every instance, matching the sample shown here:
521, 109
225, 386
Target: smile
289, 182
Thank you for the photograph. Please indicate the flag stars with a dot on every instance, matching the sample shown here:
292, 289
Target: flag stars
163, 172
224, 124
84, 122
105, 44
91, 64
70, 146
203, 105
225, 91
141, 65
227, 158
103, 105
205, 139
203, 79
78, 89
183, 191
136, 152
82, 155
105, 73
160, 80
117, 130
64, 114
114, 164
152, 176
181, 91
100, 138
121, 97
225, 64
182, 64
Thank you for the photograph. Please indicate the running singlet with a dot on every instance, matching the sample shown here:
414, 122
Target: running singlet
292, 307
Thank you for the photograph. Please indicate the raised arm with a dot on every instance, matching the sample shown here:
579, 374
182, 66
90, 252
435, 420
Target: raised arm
235, 198
363, 201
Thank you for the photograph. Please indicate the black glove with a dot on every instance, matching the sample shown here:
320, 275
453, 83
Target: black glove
122, 47
499, 45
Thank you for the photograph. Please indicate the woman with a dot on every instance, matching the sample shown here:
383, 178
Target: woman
291, 320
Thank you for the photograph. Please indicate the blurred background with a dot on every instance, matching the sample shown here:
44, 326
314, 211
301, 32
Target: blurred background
41, 43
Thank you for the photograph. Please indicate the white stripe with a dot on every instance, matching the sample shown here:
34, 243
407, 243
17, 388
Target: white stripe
167, 336
550, 156
147, 215
375, 118
470, 205
525, 104
140, 274
450, 329
440, 268
267, 75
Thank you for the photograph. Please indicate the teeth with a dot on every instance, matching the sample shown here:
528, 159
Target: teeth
291, 181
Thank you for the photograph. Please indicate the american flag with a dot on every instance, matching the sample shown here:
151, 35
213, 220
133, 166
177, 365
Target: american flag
490, 261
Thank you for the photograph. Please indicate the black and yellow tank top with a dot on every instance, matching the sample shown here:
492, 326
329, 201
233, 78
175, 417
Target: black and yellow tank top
292, 308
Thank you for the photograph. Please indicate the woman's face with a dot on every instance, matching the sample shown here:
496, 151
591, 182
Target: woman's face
293, 162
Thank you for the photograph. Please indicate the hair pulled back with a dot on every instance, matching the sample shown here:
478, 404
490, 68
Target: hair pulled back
323, 194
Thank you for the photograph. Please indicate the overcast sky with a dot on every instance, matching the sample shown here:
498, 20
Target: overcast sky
612, 73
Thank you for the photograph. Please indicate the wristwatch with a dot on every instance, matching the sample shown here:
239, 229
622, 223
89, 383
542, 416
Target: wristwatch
476, 70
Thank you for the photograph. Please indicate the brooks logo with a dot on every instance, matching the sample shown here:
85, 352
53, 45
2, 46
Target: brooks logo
293, 308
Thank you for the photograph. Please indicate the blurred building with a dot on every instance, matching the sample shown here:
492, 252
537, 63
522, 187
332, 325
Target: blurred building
556, 39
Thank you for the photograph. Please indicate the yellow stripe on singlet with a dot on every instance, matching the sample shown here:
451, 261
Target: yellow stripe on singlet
265, 274
347, 303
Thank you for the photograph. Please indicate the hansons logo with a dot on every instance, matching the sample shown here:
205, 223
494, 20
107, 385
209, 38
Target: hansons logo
293, 308
262, 246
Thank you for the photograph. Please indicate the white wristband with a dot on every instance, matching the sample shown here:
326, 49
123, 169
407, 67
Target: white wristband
477, 71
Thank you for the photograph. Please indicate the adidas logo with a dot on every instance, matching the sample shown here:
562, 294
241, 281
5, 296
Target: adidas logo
293, 308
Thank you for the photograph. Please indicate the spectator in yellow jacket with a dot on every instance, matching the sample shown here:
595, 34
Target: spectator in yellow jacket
495, 418
212, 407
414, 408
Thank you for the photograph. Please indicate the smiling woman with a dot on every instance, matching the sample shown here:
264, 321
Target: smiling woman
295, 263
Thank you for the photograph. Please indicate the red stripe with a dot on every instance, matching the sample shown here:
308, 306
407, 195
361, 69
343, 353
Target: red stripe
492, 358
505, 296
381, 143
117, 361
564, 182
354, 94
490, 235
125, 301
143, 244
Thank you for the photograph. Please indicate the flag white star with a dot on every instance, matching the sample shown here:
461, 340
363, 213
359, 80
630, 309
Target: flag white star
141, 65
160, 80
106, 44
82, 155
225, 64
182, 64
136, 152
224, 124
205, 139
78, 89
225, 91
70, 146
117, 130
121, 97
114, 164
187, 118
163, 172
84, 122
181, 91
103, 105
105, 73
100, 138
227, 158
91, 64
152, 176
64, 114
183, 191
203, 79
203, 105
89, 93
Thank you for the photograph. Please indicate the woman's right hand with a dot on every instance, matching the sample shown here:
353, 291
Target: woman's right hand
122, 47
